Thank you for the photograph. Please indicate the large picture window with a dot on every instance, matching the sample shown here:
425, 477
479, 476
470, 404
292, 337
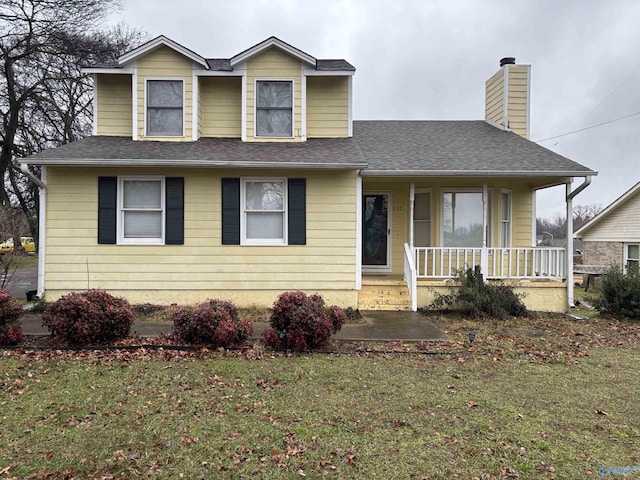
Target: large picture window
264, 211
274, 109
141, 203
165, 108
462, 219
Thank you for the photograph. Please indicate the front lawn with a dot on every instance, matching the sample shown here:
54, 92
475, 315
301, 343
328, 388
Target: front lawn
535, 399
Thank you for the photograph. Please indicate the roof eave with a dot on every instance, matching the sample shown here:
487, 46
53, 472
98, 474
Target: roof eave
473, 173
160, 41
122, 162
271, 42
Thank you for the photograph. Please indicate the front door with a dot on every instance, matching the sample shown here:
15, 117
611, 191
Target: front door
376, 232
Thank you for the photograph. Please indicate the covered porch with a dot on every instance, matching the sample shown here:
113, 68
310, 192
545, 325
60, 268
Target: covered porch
423, 231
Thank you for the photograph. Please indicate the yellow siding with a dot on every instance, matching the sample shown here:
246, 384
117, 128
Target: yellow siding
159, 63
202, 266
518, 103
494, 98
272, 64
221, 106
327, 107
114, 115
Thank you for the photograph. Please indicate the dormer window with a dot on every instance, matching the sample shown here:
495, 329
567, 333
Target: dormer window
274, 109
165, 107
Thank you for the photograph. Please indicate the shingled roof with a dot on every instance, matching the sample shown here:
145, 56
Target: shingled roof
402, 148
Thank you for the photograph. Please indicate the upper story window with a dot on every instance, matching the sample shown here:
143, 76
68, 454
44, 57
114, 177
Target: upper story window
165, 107
274, 109
141, 210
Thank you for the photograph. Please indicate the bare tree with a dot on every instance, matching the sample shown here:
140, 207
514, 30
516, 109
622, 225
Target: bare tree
45, 100
557, 227
12, 225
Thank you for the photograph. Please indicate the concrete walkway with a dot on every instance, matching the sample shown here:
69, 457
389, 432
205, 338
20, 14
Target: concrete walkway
382, 326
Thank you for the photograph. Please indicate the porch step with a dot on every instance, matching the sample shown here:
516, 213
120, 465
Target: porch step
380, 293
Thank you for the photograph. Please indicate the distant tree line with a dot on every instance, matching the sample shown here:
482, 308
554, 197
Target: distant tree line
557, 226
45, 100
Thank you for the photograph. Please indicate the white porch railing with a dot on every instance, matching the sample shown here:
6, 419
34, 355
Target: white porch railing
410, 276
496, 263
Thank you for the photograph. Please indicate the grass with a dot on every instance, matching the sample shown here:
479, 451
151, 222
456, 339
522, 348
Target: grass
537, 398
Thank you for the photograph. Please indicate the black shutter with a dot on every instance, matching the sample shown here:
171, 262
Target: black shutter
297, 212
107, 201
174, 234
231, 211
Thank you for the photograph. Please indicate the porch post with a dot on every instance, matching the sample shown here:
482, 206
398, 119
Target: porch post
569, 251
484, 253
412, 201
358, 231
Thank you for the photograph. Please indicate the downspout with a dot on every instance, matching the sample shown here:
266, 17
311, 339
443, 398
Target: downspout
570, 196
42, 216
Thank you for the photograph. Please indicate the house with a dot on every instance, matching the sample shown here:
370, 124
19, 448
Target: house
244, 177
612, 237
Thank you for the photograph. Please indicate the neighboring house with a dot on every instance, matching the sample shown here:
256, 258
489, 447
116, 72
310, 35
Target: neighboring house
245, 177
613, 236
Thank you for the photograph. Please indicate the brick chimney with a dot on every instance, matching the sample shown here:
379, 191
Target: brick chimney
507, 97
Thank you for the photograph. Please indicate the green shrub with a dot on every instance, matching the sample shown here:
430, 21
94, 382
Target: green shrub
302, 322
213, 322
10, 312
473, 296
88, 317
620, 293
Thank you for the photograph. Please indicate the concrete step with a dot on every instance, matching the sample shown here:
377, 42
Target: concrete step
384, 294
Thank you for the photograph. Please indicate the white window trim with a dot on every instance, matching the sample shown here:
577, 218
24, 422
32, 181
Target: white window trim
626, 253
444, 191
430, 192
120, 220
243, 213
255, 105
169, 79
509, 221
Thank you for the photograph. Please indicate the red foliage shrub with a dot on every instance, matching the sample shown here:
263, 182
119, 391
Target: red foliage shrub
301, 322
10, 311
214, 322
88, 317
11, 335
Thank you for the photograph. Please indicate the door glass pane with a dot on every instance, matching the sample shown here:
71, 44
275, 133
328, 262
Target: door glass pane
422, 206
374, 238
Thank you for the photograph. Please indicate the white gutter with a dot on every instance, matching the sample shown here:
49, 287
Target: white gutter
120, 162
42, 220
473, 173
569, 199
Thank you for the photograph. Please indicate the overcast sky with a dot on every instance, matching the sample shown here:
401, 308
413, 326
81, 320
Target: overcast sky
429, 59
